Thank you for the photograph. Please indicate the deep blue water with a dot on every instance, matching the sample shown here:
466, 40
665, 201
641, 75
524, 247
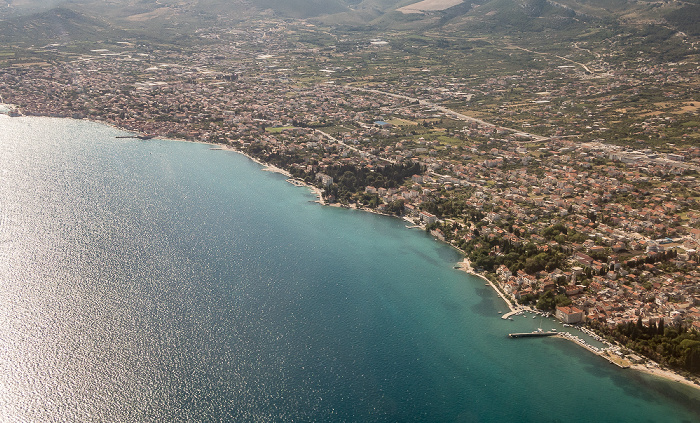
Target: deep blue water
165, 281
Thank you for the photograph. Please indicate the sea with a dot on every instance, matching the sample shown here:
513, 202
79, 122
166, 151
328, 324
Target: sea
167, 281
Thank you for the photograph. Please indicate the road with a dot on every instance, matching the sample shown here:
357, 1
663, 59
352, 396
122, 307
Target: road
558, 57
350, 147
449, 112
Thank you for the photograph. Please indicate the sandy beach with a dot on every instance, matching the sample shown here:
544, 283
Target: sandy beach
664, 373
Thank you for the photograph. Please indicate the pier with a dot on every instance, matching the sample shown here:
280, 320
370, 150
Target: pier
532, 334
140, 137
510, 313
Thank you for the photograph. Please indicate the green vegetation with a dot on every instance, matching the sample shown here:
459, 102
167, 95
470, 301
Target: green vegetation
516, 257
350, 181
672, 345
687, 19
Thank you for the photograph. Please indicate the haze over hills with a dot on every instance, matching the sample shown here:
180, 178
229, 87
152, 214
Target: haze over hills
25, 22
384, 13
57, 24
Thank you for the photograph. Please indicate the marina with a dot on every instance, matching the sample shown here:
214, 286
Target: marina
296, 182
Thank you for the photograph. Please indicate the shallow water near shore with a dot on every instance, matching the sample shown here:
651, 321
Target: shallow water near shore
164, 281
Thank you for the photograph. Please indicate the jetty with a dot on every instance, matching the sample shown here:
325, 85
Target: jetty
511, 313
539, 332
140, 137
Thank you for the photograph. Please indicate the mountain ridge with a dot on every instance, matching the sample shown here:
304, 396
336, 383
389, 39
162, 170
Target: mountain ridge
483, 16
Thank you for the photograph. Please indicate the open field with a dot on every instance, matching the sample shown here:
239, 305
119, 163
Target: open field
401, 122
429, 5
278, 129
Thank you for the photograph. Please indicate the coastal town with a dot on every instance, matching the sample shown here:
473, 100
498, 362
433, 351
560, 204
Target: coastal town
588, 209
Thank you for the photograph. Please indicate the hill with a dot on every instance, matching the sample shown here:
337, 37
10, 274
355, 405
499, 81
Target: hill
455, 16
56, 25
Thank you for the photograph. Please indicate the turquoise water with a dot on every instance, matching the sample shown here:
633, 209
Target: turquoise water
165, 281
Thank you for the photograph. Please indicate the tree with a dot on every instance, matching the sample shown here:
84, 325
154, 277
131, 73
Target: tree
638, 327
396, 207
691, 351
546, 301
562, 300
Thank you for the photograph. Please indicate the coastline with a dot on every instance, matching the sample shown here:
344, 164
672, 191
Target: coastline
318, 192
266, 167
651, 367
464, 265
664, 374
